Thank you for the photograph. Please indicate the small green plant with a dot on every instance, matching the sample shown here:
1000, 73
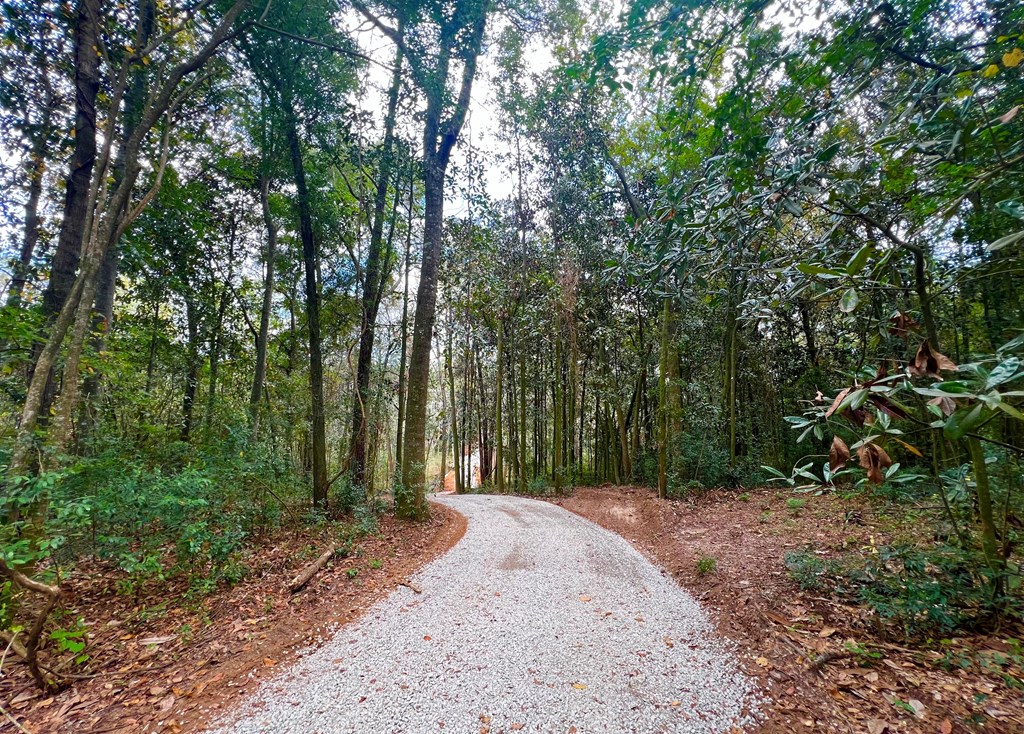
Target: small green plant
72, 640
795, 504
745, 497
706, 565
376, 564
352, 573
765, 517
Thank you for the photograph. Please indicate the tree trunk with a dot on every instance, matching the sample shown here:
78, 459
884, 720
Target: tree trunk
399, 457
318, 438
270, 254
438, 140
499, 463
456, 447
372, 287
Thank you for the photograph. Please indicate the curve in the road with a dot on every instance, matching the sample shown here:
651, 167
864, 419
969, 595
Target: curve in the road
537, 621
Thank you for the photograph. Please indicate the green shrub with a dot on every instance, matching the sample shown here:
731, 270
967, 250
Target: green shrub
706, 565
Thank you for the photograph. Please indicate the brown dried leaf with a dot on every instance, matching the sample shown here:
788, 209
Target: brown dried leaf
874, 459
838, 455
877, 726
901, 325
929, 361
946, 405
946, 727
837, 402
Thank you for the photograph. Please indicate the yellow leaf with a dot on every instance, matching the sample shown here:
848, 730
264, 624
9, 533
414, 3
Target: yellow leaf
580, 686
990, 71
584, 598
269, 662
1013, 58
763, 662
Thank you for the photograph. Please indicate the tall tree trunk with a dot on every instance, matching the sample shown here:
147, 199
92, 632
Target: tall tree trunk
456, 447
23, 266
399, 457
522, 418
318, 438
438, 140
259, 375
557, 469
76, 193
499, 463
372, 287
191, 371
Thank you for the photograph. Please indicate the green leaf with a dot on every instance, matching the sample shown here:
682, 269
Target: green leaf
1003, 372
1006, 241
808, 269
1010, 410
1012, 207
792, 207
859, 260
849, 301
962, 422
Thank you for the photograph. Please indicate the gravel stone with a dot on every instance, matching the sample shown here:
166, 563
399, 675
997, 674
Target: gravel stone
536, 621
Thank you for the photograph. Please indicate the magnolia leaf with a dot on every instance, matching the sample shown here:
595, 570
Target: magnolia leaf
874, 459
1003, 372
838, 455
929, 361
990, 71
1005, 241
1012, 207
849, 301
859, 260
962, 422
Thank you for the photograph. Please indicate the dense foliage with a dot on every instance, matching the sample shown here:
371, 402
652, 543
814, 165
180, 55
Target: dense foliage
705, 245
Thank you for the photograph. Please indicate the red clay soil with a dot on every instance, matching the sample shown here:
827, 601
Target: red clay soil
170, 665
797, 643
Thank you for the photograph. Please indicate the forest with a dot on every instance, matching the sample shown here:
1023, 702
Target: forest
285, 265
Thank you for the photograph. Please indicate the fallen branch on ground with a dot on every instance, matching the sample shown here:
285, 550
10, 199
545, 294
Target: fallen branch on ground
822, 660
30, 651
310, 571
411, 585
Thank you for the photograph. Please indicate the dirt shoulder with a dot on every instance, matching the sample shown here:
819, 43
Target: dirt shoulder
164, 663
730, 554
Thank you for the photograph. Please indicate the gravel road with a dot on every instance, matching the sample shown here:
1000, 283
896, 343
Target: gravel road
537, 621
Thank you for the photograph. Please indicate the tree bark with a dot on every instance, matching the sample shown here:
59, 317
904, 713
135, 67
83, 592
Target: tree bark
372, 287
270, 254
438, 141
318, 435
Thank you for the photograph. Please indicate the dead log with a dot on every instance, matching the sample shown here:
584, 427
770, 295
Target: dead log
310, 571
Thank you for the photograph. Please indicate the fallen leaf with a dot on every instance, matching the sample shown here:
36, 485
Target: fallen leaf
668, 641
584, 598
877, 726
827, 632
269, 662
154, 640
428, 638
516, 726
580, 686
919, 708
946, 727
763, 662
166, 704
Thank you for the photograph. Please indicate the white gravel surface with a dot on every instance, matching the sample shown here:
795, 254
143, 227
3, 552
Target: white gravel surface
537, 621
